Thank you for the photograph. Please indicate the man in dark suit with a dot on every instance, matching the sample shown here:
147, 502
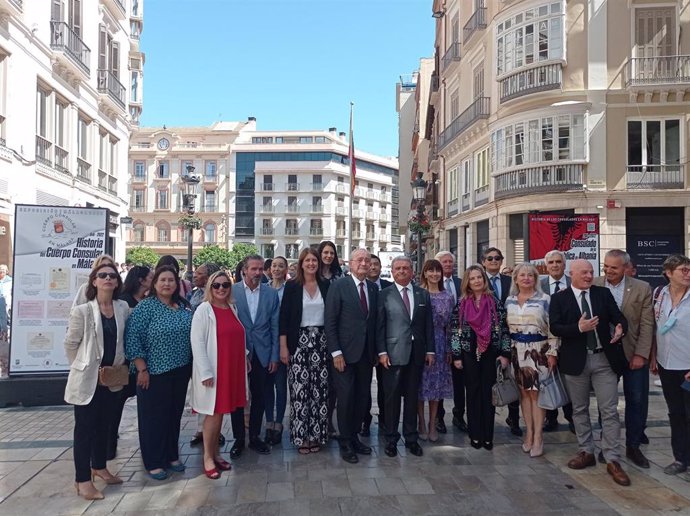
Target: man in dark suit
374, 275
350, 326
589, 356
405, 342
492, 260
451, 283
258, 309
554, 282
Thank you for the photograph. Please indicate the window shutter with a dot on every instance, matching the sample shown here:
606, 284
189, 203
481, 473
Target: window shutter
56, 10
75, 16
102, 48
115, 60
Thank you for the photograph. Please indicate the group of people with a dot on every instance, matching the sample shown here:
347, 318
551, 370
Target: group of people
248, 341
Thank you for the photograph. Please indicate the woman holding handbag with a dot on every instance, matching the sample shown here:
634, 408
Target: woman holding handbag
219, 368
534, 349
94, 346
479, 339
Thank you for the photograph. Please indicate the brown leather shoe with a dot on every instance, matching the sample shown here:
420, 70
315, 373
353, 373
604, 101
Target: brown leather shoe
582, 460
637, 457
620, 477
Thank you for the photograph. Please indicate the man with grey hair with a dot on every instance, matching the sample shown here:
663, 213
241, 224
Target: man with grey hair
405, 342
451, 283
350, 327
555, 282
634, 299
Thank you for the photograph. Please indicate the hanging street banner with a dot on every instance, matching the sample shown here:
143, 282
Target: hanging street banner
575, 235
54, 249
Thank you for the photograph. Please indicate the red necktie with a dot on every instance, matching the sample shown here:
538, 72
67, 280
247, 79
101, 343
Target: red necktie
363, 299
406, 300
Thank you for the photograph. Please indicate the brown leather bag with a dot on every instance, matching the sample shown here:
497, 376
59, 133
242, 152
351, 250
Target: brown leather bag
113, 376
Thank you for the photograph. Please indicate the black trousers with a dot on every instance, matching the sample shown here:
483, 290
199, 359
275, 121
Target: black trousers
552, 415
480, 376
159, 410
678, 402
401, 382
258, 379
458, 395
91, 423
237, 423
351, 388
128, 391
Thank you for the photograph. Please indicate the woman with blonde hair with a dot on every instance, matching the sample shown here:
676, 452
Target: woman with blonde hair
220, 366
534, 348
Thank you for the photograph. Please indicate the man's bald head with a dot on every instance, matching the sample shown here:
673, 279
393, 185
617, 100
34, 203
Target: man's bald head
581, 274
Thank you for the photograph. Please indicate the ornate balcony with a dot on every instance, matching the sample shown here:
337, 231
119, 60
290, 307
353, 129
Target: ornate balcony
44, 151
477, 110
643, 72
452, 207
266, 231
655, 177
481, 196
476, 22
316, 232
465, 201
112, 88
540, 179
117, 8
83, 171
452, 54
267, 208
291, 231
71, 51
534, 80
267, 187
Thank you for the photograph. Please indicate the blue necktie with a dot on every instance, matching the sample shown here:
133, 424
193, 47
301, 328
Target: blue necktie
494, 287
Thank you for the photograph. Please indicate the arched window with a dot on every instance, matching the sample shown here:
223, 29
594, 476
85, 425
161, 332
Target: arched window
138, 231
183, 233
209, 233
163, 232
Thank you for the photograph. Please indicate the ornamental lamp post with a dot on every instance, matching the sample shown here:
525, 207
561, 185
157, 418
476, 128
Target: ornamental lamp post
190, 186
419, 196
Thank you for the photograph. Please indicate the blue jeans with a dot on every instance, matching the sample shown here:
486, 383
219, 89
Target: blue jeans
636, 390
276, 395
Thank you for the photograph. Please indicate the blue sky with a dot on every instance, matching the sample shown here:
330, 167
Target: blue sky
293, 64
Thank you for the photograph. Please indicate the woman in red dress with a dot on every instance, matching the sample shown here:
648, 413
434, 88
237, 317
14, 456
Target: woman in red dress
219, 368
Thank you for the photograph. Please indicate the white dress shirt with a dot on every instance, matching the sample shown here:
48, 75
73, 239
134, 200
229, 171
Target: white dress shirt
562, 284
449, 284
410, 295
366, 292
252, 299
578, 297
617, 291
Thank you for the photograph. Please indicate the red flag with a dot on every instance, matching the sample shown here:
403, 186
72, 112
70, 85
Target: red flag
351, 155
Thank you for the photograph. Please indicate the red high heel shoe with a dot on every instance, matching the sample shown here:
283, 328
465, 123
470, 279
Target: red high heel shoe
213, 474
222, 465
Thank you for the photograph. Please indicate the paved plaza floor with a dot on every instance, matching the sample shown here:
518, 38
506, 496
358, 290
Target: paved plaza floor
37, 474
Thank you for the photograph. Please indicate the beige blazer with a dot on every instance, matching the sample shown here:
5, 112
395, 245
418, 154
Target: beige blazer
84, 349
205, 358
637, 309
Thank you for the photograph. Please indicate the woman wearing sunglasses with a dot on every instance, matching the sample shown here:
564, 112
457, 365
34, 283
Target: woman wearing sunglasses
157, 343
94, 340
220, 366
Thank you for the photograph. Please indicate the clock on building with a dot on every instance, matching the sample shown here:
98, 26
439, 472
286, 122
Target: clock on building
163, 144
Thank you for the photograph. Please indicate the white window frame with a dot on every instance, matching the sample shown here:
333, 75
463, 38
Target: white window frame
140, 169
481, 168
209, 233
662, 145
453, 184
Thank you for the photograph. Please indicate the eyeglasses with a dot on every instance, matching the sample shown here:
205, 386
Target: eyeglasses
225, 284
684, 270
494, 258
109, 275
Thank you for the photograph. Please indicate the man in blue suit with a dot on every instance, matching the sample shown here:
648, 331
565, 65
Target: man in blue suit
258, 309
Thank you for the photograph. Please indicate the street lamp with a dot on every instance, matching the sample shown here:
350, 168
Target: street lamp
190, 185
419, 196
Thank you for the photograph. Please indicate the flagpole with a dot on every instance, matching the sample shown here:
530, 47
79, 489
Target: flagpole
351, 154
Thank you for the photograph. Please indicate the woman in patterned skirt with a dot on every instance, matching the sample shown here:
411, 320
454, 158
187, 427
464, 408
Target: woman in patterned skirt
534, 348
437, 379
303, 350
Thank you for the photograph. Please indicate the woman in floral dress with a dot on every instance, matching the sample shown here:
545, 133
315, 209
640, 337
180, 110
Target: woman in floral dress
437, 380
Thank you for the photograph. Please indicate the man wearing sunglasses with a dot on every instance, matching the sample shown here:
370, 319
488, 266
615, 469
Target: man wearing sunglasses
492, 261
258, 309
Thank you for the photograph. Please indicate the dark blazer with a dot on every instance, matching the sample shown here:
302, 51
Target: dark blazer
291, 311
261, 334
456, 283
505, 287
385, 283
347, 328
564, 314
545, 287
396, 334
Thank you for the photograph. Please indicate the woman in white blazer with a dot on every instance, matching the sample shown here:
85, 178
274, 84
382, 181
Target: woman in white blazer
94, 339
219, 367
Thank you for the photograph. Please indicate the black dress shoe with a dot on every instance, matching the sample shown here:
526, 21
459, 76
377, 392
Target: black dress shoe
488, 445
459, 423
644, 439
551, 425
476, 444
414, 449
237, 449
441, 426
276, 437
259, 446
360, 447
347, 452
600, 458
268, 437
196, 440
221, 440
391, 450
637, 457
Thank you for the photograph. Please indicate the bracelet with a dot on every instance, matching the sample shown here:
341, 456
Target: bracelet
144, 370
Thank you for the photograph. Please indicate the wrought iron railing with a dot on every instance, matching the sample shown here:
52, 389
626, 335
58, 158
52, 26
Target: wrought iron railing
643, 71
478, 109
533, 80
64, 38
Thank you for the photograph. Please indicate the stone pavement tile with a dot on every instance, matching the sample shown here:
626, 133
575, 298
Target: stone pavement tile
19, 454
165, 498
294, 508
105, 506
418, 486
55, 505
288, 475
307, 489
660, 498
469, 484
445, 484
280, 491
324, 507
336, 487
19, 477
368, 505
194, 497
391, 486
327, 474
364, 487
219, 497
251, 492
133, 502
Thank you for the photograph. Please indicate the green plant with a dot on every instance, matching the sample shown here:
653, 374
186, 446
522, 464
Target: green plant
226, 259
189, 221
419, 224
142, 256
240, 251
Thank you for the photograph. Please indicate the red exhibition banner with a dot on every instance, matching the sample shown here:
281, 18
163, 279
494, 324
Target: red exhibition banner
575, 235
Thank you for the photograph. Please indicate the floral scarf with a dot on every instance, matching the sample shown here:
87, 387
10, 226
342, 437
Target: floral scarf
479, 318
